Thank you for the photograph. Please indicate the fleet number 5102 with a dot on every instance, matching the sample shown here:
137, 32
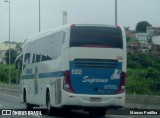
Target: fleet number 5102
76, 71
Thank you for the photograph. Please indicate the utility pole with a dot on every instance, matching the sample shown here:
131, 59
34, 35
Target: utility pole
9, 44
39, 15
64, 17
115, 12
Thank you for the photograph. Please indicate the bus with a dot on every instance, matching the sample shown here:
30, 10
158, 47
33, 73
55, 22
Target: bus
75, 66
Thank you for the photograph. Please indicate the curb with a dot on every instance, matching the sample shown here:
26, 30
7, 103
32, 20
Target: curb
10, 90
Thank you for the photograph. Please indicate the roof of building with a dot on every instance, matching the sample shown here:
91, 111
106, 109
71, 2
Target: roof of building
6, 46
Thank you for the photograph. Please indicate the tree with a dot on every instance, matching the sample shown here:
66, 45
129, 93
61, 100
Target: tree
13, 54
18, 48
6, 42
142, 26
127, 28
13, 42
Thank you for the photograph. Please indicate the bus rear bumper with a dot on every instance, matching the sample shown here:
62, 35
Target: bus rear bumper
70, 99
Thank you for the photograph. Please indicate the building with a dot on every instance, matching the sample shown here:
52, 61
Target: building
153, 31
130, 33
155, 45
142, 37
132, 42
143, 42
154, 35
149, 41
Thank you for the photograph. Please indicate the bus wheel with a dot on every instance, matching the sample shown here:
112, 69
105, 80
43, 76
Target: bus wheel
27, 105
48, 103
101, 112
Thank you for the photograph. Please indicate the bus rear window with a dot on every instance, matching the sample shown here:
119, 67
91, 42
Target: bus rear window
90, 36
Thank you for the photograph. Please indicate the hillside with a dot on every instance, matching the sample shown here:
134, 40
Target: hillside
143, 76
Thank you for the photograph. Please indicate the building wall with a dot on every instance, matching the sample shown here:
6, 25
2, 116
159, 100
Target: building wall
156, 40
153, 31
131, 34
2, 56
142, 37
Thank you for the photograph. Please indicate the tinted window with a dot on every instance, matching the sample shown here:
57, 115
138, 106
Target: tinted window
27, 58
38, 57
45, 58
96, 36
33, 58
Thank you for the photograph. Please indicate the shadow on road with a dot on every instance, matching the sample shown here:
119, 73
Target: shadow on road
69, 114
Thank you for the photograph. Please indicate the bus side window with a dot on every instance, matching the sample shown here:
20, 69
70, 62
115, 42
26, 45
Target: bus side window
27, 58
33, 58
38, 57
45, 58
18, 61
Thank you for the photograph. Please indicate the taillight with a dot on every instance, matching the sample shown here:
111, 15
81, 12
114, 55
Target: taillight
67, 82
118, 27
122, 84
72, 26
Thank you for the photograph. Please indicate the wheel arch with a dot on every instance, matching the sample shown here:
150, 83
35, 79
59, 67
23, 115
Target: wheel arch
24, 93
47, 91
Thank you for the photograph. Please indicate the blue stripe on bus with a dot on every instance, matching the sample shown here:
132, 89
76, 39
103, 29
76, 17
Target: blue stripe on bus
45, 75
28, 76
51, 74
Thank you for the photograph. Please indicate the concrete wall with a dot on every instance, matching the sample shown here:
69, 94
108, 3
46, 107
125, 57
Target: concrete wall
142, 101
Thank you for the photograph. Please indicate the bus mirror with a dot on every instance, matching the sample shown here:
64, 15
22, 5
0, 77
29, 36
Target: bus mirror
18, 65
18, 61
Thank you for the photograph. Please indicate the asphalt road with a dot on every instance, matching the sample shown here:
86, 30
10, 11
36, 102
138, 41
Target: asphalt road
10, 100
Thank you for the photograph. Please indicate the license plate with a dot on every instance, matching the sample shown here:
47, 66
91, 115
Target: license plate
95, 99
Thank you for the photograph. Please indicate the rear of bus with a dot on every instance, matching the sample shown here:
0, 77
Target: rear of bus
97, 67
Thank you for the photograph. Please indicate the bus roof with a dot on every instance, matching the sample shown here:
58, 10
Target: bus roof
45, 33
51, 31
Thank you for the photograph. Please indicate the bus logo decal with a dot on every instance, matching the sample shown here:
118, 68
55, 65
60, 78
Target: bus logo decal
116, 74
94, 80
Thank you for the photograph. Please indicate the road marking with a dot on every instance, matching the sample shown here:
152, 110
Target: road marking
9, 95
118, 116
36, 116
1, 105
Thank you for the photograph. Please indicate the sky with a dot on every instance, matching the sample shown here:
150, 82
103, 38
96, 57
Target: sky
25, 15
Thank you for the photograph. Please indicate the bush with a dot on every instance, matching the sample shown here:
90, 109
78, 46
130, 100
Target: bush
4, 74
143, 81
133, 64
142, 60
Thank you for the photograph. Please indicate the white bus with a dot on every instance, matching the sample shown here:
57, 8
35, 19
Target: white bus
75, 67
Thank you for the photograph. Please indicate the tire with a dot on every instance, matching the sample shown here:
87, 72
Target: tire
27, 105
48, 103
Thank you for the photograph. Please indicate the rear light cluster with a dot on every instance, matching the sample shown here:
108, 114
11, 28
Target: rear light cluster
73, 25
67, 82
118, 27
122, 83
